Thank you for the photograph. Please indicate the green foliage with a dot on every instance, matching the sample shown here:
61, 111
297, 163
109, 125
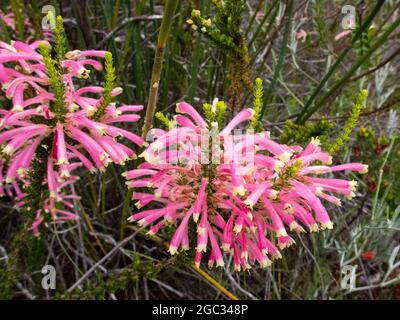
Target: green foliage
310, 107
280, 62
108, 86
56, 82
4, 33
33, 11
164, 120
112, 283
212, 32
318, 19
369, 148
224, 30
215, 112
351, 122
209, 114
221, 111
54, 67
166, 23
9, 269
363, 44
36, 191
59, 38
366, 133
208, 68
255, 122
16, 7
301, 134
283, 178
26, 253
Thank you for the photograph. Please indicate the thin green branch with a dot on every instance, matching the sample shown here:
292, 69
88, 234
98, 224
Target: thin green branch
166, 23
278, 67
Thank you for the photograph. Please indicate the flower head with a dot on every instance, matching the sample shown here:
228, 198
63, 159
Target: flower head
243, 199
48, 109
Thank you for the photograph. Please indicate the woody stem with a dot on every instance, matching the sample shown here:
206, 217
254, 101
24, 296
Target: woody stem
166, 23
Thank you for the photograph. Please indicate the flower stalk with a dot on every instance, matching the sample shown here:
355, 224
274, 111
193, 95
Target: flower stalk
166, 23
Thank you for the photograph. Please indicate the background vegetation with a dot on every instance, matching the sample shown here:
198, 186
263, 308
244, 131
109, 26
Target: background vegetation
310, 85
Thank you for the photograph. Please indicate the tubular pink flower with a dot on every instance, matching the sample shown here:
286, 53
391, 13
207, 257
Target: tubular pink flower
276, 149
277, 223
9, 134
19, 57
138, 173
180, 234
184, 121
91, 53
114, 132
51, 178
97, 153
132, 108
85, 161
184, 107
215, 250
342, 34
25, 81
19, 140
61, 148
242, 116
362, 168
256, 194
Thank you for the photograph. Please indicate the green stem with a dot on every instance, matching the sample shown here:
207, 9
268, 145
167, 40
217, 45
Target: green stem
278, 67
115, 14
138, 68
4, 35
166, 23
18, 17
377, 192
259, 28
125, 212
103, 193
194, 70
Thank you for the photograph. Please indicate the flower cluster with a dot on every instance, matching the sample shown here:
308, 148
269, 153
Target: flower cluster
31, 34
8, 19
57, 125
242, 198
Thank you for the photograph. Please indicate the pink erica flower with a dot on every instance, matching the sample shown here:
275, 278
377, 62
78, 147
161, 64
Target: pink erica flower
8, 19
30, 32
59, 203
350, 28
77, 136
245, 201
342, 34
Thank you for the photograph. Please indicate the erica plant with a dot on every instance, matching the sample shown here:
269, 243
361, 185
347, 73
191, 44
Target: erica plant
234, 191
223, 188
54, 125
